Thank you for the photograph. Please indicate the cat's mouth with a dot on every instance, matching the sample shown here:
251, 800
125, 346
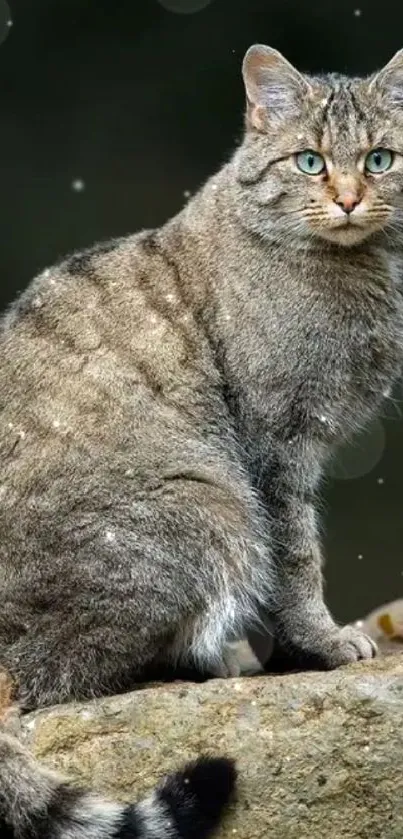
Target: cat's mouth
347, 231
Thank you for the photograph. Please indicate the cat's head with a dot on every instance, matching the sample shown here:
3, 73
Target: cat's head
322, 156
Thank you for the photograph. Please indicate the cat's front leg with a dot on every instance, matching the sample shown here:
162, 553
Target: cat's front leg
302, 621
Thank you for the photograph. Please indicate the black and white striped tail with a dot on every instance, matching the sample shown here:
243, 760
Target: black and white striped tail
36, 804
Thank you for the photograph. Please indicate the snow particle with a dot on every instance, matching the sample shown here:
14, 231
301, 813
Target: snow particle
380, 481
78, 185
360, 556
186, 193
357, 12
110, 536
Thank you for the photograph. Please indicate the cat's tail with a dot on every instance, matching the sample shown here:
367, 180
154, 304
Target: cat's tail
37, 804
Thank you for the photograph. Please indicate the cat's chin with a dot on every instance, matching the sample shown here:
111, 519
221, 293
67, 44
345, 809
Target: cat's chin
345, 235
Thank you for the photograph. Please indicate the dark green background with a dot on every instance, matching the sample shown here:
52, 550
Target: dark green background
143, 104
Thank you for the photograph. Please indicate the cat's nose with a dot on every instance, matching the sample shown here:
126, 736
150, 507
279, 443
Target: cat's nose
347, 201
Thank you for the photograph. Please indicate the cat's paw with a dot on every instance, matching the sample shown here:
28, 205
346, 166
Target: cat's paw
334, 648
349, 644
238, 660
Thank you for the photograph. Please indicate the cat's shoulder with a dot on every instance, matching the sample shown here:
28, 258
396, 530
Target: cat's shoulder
103, 265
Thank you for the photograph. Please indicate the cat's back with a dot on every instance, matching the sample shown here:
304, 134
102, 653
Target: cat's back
102, 357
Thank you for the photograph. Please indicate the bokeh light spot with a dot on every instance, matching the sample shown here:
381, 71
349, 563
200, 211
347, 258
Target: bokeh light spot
184, 7
361, 455
5, 20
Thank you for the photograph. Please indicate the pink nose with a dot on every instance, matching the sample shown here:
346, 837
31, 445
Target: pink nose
347, 201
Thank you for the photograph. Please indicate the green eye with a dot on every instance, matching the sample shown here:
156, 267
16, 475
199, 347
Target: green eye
378, 161
310, 162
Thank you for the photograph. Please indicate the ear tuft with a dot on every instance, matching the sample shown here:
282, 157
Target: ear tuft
274, 88
390, 79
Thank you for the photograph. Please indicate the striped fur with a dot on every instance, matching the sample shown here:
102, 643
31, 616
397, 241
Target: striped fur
37, 804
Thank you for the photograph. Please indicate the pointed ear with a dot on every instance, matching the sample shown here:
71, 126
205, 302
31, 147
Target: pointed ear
274, 88
390, 79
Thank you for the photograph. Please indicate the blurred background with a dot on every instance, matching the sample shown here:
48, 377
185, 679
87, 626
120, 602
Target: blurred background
113, 112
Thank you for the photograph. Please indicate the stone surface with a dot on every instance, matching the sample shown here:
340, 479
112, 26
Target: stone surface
319, 754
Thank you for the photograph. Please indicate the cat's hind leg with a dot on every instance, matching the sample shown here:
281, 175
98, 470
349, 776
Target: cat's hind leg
185, 570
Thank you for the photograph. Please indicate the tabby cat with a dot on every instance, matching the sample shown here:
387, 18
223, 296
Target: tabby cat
169, 400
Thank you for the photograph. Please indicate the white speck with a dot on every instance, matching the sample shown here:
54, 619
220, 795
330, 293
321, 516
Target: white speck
186, 781
31, 724
360, 556
78, 185
214, 186
237, 686
253, 702
227, 317
153, 319
386, 392
10, 425
129, 473
366, 749
22, 435
323, 102
359, 624
169, 297
86, 715
109, 536
37, 303
357, 12
9, 23
300, 136
380, 480
56, 423
234, 830
322, 418
186, 193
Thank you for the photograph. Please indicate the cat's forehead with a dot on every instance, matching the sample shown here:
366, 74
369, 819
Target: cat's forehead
344, 116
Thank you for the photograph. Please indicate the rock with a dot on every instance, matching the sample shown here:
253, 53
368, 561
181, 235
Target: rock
320, 755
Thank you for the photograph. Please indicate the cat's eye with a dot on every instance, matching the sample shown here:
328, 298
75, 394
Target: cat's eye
310, 162
378, 161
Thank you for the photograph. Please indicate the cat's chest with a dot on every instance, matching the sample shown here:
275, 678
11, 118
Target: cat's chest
320, 365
